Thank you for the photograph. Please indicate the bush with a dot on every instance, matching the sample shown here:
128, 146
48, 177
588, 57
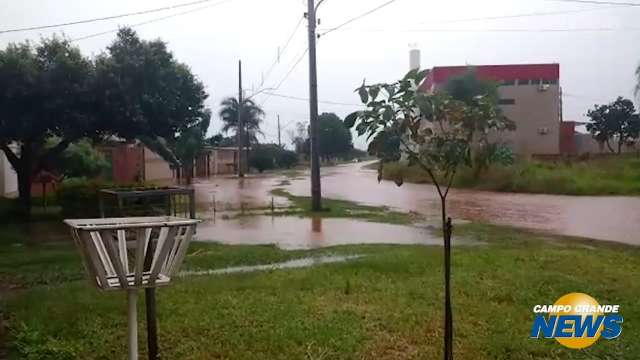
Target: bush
287, 159
261, 160
269, 156
78, 197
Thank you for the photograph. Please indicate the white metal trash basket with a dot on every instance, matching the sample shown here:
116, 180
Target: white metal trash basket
132, 253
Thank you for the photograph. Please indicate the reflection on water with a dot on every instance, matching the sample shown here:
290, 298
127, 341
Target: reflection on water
291, 264
309, 233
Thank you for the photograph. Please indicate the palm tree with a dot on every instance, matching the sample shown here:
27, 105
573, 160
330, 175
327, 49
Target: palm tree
252, 117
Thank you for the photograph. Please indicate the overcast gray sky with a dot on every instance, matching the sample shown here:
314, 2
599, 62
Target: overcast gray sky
596, 64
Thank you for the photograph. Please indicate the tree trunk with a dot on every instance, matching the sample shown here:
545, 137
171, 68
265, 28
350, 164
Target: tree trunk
24, 172
448, 316
609, 146
620, 146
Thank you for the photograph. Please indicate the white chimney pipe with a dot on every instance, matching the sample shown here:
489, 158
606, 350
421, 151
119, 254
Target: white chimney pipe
414, 59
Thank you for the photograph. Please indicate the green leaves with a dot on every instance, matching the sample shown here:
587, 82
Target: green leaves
350, 120
432, 130
364, 95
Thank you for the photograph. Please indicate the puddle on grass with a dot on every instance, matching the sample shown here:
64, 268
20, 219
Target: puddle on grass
290, 232
291, 264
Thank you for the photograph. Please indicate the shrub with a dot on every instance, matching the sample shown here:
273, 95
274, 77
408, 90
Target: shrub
287, 159
78, 197
261, 160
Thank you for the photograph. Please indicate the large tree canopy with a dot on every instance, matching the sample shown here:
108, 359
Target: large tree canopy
135, 90
143, 89
616, 121
45, 91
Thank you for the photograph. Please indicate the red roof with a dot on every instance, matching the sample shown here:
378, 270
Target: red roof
441, 74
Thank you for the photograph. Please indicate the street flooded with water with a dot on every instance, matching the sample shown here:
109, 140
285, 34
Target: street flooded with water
612, 218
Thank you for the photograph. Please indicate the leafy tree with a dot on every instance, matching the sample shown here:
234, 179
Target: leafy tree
221, 140
268, 156
468, 86
615, 121
189, 143
81, 159
299, 138
426, 129
136, 90
46, 92
143, 90
481, 96
286, 159
335, 138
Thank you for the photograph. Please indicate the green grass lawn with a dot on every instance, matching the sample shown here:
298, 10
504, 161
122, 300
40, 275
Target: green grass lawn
615, 175
386, 305
333, 208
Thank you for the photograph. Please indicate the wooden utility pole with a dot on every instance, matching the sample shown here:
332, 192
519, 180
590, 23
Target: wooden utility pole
240, 128
279, 142
316, 193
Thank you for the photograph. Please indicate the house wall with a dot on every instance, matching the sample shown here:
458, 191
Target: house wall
8, 178
156, 169
225, 161
537, 117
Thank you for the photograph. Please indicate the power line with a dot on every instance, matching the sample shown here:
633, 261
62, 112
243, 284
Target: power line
515, 16
306, 99
284, 49
595, 2
150, 21
506, 30
287, 74
358, 17
142, 12
299, 59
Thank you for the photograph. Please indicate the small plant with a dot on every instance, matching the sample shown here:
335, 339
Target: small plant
432, 131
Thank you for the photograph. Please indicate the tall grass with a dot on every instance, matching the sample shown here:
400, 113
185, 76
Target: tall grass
619, 175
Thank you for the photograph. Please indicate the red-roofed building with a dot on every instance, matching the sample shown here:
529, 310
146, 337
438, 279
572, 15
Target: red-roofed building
530, 95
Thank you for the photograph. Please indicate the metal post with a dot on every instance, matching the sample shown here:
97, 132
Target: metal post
316, 194
192, 204
279, 142
240, 124
150, 302
132, 302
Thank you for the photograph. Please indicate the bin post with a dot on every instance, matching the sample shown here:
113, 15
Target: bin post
132, 300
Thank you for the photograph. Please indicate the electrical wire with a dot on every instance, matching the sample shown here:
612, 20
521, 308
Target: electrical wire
358, 17
86, 21
594, 2
150, 21
506, 30
515, 16
306, 99
284, 49
299, 59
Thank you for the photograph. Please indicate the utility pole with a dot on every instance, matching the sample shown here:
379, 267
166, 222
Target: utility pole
316, 193
279, 143
240, 132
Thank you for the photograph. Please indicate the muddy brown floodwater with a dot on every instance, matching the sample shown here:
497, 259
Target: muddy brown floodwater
612, 218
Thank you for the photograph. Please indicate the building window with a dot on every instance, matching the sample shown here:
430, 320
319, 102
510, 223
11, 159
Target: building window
508, 83
536, 82
507, 101
523, 81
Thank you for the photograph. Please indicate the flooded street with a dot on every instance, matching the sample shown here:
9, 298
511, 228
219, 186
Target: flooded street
613, 218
